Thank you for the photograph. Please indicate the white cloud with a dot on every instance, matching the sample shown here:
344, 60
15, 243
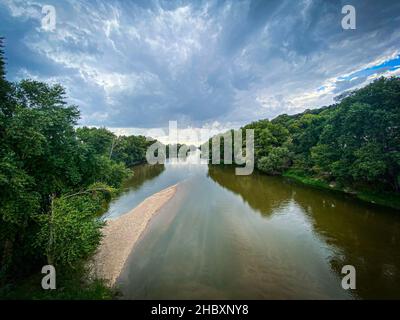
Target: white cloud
24, 9
131, 65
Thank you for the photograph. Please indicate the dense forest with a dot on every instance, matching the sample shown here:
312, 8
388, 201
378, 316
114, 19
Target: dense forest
353, 145
55, 180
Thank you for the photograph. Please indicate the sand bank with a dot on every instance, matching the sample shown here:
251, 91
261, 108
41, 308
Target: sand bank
121, 234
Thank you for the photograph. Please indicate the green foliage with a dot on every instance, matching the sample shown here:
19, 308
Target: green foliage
98, 140
131, 150
72, 284
70, 232
359, 144
99, 168
277, 160
303, 177
369, 162
110, 172
43, 155
272, 146
354, 144
43, 161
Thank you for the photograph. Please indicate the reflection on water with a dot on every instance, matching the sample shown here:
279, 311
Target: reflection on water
141, 174
136, 189
263, 194
364, 236
147, 180
259, 237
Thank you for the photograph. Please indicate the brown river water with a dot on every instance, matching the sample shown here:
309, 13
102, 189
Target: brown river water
224, 236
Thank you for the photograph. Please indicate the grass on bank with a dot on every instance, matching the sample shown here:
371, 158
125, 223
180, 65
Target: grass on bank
390, 200
74, 285
301, 176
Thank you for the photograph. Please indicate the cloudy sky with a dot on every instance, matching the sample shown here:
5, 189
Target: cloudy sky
136, 65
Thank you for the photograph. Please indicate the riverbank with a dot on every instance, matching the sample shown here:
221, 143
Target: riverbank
383, 199
121, 234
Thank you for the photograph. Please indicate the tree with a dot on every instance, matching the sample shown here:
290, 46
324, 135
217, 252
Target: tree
369, 164
43, 161
355, 142
277, 161
99, 140
70, 233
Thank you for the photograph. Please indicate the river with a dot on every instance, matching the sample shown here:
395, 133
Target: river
255, 237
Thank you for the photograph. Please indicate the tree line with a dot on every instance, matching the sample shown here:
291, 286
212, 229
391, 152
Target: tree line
353, 144
55, 179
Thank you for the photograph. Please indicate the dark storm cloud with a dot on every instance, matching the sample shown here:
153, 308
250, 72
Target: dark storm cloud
142, 63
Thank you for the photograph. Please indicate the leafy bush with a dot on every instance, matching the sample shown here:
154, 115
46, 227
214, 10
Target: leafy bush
70, 233
276, 162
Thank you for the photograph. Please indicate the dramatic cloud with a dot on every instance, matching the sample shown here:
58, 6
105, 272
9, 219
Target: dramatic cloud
138, 64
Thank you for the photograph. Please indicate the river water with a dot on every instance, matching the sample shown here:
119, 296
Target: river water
255, 237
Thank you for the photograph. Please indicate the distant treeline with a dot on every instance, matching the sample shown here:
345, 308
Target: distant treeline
55, 180
180, 150
352, 145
